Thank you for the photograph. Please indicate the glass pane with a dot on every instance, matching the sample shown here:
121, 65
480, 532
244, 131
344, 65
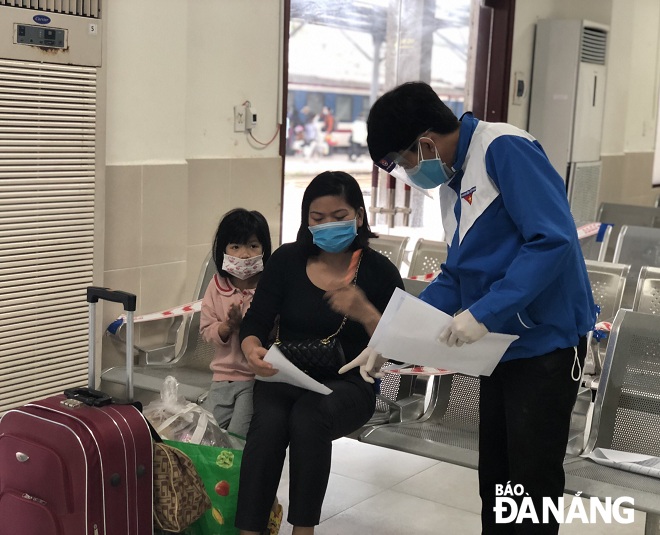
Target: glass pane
343, 54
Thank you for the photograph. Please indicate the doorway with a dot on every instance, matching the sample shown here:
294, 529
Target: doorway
342, 55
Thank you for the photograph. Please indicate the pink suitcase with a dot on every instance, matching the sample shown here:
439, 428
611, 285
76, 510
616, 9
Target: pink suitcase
68, 467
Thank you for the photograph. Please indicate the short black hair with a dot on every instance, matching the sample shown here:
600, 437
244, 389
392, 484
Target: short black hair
401, 115
342, 185
238, 226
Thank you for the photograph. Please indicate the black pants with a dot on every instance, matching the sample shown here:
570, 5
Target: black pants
525, 411
307, 423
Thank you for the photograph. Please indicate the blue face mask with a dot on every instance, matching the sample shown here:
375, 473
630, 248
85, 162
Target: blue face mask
429, 174
334, 237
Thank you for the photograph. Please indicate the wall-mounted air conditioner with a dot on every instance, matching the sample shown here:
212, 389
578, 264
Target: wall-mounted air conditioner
567, 104
50, 58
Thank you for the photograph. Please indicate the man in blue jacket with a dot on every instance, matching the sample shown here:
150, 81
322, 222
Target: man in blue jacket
514, 266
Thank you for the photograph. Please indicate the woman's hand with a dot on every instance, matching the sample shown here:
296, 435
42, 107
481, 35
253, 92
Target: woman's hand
254, 354
351, 301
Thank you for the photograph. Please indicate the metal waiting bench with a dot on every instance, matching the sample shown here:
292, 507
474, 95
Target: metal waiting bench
637, 246
607, 281
402, 397
594, 247
647, 296
427, 257
607, 284
393, 247
626, 214
449, 429
190, 364
626, 417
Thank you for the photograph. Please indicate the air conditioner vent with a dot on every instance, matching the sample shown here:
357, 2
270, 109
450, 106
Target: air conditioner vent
47, 197
83, 8
594, 46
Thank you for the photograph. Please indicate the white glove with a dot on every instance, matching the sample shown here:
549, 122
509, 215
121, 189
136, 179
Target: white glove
369, 361
463, 329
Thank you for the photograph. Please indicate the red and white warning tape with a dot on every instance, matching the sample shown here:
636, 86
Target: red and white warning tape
605, 326
588, 230
417, 370
427, 277
181, 310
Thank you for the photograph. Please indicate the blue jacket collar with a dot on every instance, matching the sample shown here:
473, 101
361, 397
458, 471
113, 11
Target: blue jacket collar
468, 125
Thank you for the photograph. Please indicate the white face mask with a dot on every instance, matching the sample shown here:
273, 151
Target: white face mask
243, 268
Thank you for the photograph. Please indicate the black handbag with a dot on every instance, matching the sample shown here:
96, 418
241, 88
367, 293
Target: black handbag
318, 358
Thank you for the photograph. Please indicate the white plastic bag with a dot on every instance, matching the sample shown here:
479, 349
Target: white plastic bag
176, 418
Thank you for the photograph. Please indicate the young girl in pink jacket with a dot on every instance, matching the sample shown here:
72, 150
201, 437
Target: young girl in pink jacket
241, 248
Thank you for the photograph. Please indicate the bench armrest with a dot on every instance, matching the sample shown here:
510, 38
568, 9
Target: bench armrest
155, 353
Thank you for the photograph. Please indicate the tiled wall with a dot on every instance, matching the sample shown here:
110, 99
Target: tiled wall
160, 222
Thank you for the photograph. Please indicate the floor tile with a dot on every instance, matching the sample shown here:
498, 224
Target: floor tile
376, 465
447, 484
378, 491
394, 513
343, 493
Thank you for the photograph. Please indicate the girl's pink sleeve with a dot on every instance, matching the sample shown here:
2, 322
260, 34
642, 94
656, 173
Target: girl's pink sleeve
213, 314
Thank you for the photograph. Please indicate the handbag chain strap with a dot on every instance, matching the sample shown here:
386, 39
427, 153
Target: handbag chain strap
344, 319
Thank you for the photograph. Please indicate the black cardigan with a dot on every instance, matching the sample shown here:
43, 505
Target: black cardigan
285, 290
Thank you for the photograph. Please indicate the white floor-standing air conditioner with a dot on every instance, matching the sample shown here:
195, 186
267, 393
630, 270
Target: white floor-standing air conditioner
567, 104
50, 58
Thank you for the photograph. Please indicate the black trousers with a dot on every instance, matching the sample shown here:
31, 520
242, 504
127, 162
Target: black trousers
307, 423
525, 412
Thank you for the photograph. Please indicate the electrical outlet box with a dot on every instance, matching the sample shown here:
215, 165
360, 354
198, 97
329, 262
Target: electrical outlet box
239, 118
250, 117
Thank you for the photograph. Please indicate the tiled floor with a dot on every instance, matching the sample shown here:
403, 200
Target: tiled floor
378, 491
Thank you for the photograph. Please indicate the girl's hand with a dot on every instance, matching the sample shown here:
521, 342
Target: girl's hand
234, 317
231, 324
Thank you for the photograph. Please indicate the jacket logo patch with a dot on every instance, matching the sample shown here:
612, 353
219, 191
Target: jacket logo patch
467, 195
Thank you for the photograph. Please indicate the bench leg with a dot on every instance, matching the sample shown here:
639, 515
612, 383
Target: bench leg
652, 526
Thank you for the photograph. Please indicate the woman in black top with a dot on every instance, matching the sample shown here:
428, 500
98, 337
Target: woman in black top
307, 284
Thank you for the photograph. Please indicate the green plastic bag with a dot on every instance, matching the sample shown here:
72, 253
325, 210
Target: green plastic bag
219, 469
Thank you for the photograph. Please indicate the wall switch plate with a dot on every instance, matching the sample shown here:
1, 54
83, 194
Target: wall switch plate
239, 118
519, 88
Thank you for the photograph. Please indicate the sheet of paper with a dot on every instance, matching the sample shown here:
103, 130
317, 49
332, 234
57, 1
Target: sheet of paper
632, 462
288, 373
409, 329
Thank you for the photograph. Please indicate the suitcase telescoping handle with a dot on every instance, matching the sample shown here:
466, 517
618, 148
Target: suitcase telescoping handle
94, 293
128, 300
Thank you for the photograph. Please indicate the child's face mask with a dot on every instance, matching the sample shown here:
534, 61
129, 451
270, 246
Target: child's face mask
243, 268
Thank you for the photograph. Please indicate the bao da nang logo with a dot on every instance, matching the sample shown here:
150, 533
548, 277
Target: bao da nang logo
514, 505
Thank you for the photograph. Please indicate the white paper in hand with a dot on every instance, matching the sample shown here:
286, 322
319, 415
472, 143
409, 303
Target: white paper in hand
409, 329
289, 373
